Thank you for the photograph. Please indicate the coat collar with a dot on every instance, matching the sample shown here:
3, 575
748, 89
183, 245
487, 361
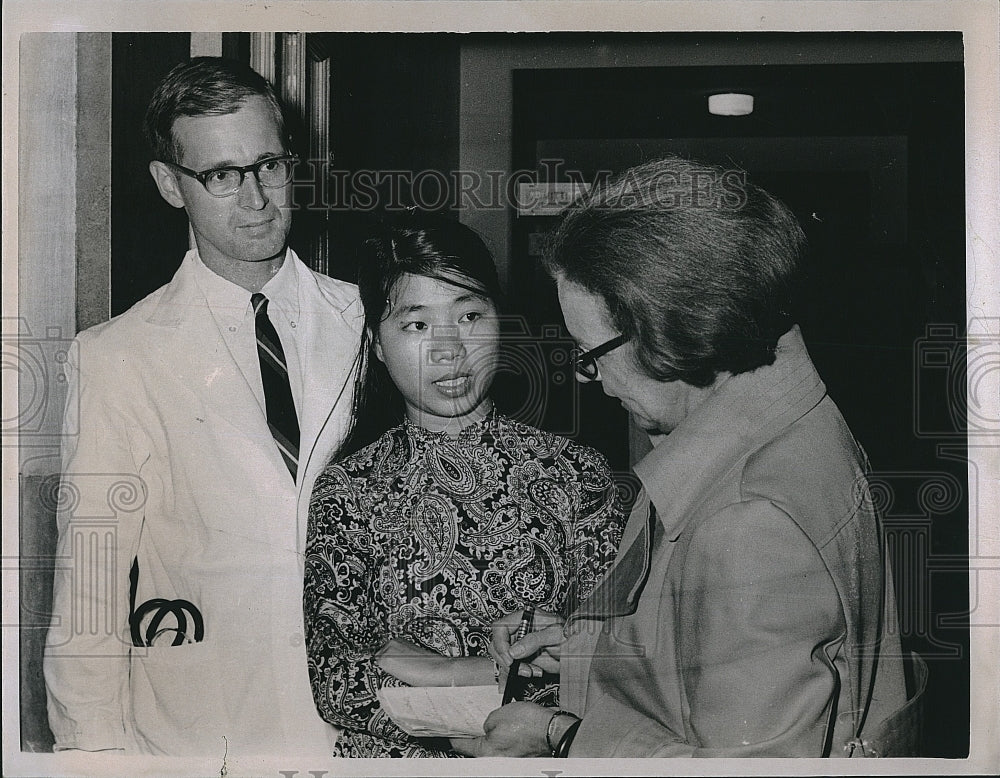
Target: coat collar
175, 301
743, 412
740, 415
330, 326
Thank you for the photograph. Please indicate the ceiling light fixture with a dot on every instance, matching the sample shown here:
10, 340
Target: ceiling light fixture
730, 104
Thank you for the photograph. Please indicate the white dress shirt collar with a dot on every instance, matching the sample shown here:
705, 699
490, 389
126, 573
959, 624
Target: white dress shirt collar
230, 303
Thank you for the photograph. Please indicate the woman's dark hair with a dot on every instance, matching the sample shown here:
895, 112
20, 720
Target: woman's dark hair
423, 245
696, 265
203, 86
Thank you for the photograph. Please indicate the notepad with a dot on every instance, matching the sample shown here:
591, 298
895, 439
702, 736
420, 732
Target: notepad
440, 711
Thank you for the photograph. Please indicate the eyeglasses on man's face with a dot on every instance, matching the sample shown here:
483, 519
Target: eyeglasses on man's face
585, 362
270, 173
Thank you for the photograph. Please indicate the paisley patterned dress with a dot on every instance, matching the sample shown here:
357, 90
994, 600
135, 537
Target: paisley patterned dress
429, 539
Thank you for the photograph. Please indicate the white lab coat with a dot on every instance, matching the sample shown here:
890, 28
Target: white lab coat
168, 459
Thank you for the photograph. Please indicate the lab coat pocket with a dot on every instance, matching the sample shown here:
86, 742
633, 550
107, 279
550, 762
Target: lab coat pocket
177, 697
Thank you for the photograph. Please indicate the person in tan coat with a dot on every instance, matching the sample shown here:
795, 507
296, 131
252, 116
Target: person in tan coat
749, 611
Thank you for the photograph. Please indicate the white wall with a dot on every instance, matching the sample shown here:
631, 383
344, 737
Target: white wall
46, 238
63, 244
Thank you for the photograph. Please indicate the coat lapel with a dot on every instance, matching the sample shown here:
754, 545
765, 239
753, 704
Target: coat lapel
328, 352
618, 592
197, 356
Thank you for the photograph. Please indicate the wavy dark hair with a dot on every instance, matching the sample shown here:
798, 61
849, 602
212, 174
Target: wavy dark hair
418, 244
697, 266
204, 86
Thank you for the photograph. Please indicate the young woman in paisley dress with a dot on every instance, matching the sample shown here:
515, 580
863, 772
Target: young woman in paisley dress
452, 517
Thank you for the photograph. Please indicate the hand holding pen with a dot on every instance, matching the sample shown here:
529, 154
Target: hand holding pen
513, 684
536, 651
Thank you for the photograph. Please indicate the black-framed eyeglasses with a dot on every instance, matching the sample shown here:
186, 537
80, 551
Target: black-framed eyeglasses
270, 173
585, 362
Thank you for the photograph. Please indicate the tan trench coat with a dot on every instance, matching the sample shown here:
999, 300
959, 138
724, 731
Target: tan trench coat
755, 625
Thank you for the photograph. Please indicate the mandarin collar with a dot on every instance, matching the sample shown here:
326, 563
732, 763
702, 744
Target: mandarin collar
423, 436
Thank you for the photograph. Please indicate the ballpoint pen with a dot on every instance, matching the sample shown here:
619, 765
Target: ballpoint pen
509, 689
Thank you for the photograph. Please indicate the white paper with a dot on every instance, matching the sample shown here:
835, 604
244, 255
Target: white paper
440, 711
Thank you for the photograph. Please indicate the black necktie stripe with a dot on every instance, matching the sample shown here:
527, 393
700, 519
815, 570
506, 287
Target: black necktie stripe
281, 417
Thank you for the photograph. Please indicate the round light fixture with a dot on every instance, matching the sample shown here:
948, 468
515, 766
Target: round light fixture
730, 104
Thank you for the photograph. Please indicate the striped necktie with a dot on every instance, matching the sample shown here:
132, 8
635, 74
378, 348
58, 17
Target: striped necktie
281, 416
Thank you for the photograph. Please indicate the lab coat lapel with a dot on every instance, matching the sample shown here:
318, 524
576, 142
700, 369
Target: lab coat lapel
200, 359
199, 356
328, 352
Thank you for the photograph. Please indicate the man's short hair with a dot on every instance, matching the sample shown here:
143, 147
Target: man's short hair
696, 265
203, 86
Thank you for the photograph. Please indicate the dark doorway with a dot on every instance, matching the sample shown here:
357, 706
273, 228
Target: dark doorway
870, 158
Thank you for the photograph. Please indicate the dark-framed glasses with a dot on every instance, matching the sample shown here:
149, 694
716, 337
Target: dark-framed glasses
270, 173
585, 362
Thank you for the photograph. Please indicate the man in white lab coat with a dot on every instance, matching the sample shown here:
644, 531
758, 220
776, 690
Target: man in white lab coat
177, 623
